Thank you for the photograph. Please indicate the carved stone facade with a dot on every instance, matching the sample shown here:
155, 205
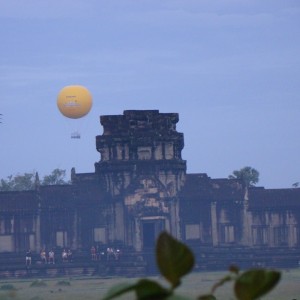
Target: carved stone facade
139, 188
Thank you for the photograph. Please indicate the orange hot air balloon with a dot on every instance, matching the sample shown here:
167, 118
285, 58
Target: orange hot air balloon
74, 101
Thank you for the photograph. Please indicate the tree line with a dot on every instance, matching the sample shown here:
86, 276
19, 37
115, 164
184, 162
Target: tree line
28, 181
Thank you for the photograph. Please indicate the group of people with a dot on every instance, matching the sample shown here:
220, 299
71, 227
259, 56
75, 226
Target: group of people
67, 255
113, 254
49, 258
110, 254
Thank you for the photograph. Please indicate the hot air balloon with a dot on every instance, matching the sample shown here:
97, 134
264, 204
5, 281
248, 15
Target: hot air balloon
74, 102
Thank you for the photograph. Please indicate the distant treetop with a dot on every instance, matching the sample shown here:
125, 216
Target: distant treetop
28, 181
248, 175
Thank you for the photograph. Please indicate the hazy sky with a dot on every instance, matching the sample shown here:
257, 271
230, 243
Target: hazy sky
230, 68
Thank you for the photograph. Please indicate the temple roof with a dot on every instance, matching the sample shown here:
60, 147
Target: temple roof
18, 201
139, 122
200, 187
261, 198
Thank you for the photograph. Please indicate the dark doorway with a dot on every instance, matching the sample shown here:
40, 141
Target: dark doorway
149, 235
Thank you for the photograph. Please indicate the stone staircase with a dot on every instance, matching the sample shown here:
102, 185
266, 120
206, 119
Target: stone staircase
130, 264
133, 264
208, 258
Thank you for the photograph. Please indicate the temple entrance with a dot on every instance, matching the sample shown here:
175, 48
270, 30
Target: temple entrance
150, 232
149, 235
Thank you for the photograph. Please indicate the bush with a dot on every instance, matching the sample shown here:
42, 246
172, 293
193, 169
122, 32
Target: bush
7, 287
64, 283
38, 283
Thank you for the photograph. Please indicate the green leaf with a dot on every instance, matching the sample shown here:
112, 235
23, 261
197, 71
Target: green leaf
174, 259
147, 289
221, 282
178, 297
255, 283
118, 290
207, 297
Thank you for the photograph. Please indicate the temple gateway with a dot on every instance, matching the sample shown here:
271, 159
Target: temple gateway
139, 188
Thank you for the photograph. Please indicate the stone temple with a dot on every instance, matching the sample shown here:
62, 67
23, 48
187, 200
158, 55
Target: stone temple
139, 188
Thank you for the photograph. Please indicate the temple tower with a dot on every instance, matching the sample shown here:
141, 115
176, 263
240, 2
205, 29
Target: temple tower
143, 171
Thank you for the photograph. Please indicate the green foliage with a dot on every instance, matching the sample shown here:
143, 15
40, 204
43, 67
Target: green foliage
63, 283
144, 289
255, 283
19, 182
248, 175
28, 181
207, 297
38, 283
7, 287
55, 178
175, 260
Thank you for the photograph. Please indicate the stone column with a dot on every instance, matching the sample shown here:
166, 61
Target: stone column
38, 231
290, 222
79, 230
174, 219
75, 232
247, 239
214, 224
120, 226
138, 238
271, 229
246, 218
111, 223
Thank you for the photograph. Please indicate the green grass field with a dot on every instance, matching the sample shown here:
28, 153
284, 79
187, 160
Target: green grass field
94, 288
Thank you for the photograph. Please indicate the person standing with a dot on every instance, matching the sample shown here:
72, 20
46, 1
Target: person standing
64, 255
28, 258
51, 257
43, 256
70, 256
